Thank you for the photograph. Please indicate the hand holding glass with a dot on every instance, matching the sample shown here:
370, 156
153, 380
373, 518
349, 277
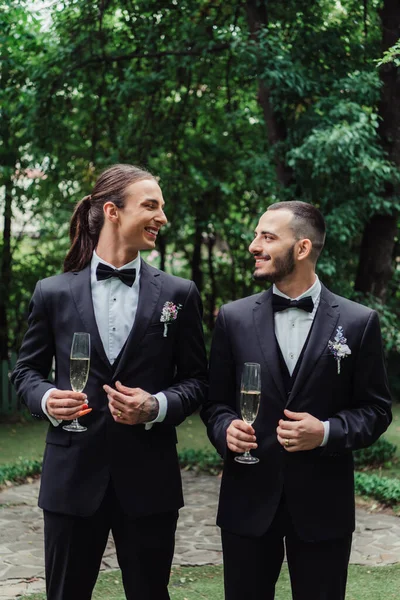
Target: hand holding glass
250, 392
79, 371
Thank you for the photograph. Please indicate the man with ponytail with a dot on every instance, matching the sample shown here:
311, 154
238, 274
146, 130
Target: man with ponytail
147, 374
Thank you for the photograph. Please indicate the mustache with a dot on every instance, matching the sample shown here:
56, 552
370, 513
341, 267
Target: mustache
266, 256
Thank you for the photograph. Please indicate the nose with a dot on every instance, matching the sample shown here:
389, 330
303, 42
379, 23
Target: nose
254, 247
161, 218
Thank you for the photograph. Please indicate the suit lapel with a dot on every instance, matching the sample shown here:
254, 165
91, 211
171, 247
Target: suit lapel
149, 293
264, 325
82, 295
325, 321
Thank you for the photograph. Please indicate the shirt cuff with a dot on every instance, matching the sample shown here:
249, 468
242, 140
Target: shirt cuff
52, 420
326, 433
162, 409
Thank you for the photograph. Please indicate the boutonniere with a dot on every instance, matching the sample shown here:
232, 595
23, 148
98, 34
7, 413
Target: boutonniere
339, 347
169, 314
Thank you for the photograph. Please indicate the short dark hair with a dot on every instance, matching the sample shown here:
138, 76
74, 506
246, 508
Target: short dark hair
308, 222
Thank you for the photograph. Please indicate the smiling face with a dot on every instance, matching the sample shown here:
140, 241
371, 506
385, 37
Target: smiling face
142, 216
274, 247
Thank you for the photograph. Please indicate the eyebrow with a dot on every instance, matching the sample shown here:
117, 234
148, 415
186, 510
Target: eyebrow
267, 233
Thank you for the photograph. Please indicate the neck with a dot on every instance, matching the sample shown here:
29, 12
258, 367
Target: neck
296, 284
113, 252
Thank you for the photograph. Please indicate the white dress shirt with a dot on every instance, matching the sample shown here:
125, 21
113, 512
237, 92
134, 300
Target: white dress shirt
292, 327
115, 305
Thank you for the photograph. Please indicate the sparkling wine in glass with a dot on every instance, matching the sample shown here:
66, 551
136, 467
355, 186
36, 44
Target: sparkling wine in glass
79, 371
250, 393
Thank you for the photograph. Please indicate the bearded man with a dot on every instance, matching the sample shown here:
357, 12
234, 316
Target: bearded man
324, 393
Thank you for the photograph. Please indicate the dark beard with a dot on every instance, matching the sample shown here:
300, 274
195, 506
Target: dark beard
284, 266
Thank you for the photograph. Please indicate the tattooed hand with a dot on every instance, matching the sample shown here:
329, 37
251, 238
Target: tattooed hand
131, 406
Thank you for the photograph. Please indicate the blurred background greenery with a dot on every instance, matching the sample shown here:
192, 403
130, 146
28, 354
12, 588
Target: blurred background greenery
234, 105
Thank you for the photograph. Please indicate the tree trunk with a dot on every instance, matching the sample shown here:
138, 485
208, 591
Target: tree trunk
5, 268
233, 282
212, 295
9, 159
376, 256
389, 107
162, 248
377, 248
197, 273
257, 17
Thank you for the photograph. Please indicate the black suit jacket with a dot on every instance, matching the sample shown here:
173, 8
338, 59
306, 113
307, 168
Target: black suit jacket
142, 464
318, 484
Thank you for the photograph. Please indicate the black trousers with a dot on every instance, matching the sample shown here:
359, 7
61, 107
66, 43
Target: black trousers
318, 570
74, 547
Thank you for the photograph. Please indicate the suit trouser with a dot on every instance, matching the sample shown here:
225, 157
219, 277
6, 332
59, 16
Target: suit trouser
74, 548
318, 570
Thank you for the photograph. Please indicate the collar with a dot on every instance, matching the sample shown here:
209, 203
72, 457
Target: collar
133, 264
314, 291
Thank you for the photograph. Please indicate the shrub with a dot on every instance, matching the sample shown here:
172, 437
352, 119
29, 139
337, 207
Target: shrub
20, 470
380, 452
383, 489
207, 461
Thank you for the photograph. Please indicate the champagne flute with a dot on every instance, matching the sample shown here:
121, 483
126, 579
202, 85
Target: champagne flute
79, 371
250, 392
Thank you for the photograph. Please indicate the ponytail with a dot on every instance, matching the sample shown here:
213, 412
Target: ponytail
88, 218
82, 242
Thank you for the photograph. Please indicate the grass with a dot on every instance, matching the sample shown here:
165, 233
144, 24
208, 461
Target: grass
192, 434
22, 440
195, 583
26, 440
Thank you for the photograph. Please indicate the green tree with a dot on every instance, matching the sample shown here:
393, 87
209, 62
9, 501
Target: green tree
235, 106
20, 41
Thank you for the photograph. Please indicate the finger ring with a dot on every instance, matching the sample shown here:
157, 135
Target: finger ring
119, 414
287, 443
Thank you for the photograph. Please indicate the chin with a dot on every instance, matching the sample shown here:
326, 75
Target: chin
148, 245
260, 276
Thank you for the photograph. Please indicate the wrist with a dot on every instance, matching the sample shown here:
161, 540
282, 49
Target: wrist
152, 408
325, 437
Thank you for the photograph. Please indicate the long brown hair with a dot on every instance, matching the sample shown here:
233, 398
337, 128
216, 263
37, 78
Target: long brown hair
88, 218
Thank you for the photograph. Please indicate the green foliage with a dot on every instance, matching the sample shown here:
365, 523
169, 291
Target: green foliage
176, 87
205, 461
19, 471
383, 489
391, 55
379, 453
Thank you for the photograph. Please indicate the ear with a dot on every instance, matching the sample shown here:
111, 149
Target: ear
110, 212
304, 248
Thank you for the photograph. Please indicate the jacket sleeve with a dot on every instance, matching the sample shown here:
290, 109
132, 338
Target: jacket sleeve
370, 414
31, 373
190, 383
220, 409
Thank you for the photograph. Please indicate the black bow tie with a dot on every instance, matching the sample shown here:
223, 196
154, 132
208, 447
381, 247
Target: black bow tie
127, 276
281, 303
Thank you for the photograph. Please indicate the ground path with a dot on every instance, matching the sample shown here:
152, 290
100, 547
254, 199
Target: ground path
376, 541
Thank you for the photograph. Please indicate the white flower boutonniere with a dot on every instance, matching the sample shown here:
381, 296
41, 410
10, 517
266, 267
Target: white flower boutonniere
169, 314
339, 347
